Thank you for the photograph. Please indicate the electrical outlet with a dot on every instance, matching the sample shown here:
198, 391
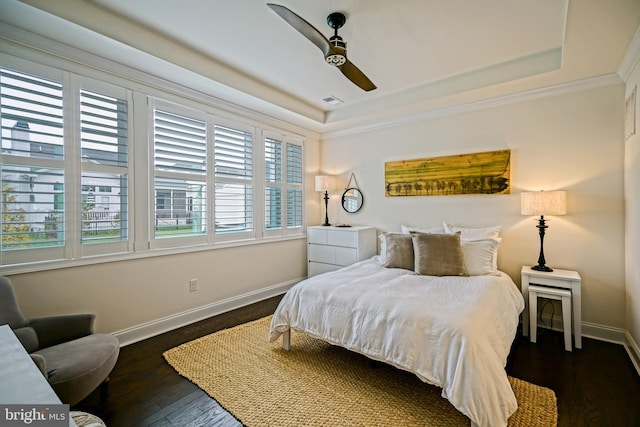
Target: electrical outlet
193, 285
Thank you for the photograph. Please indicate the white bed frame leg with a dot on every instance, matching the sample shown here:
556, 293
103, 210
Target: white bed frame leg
286, 340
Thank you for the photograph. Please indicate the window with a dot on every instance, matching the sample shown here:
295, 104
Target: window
32, 166
180, 165
273, 183
73, 188
294, 185
282, 154
46, 208
105, 159
233, 175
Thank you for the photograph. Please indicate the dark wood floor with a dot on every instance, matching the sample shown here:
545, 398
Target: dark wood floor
595, 386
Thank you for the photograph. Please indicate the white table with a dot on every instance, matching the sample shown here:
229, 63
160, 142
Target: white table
21, 382
563, 279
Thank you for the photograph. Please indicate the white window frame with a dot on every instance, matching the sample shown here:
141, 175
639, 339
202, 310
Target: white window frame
177, 241
283, 184
295, 230
141, 96
125, 245
71, 165
20, 256
256, 168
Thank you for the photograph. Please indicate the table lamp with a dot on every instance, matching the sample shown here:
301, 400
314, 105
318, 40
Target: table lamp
543, 203
325, 183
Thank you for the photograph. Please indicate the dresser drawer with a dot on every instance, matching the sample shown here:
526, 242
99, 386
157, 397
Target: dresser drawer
332, 254
319, 268
317, 236
346, 256
342, 238
322, 253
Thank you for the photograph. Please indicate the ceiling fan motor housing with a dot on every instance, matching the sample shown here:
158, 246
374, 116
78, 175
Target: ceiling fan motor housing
339, 55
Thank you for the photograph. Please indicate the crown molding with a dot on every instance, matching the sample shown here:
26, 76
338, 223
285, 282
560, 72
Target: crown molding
630, 58
27, 45
33, 47
554, 90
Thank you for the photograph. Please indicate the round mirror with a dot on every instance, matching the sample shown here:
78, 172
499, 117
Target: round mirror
352, 200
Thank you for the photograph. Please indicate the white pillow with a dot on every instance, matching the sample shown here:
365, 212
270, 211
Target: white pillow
382, 258
480, 256
433, 230
473, 233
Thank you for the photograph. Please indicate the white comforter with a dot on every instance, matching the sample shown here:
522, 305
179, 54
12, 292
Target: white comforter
453, 332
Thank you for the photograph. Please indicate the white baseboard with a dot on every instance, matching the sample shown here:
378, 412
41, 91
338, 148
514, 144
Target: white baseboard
165, 324
602, 333
589, 330
634, 351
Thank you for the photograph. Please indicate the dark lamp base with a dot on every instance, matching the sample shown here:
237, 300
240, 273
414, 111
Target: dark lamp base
326, 209
542, 268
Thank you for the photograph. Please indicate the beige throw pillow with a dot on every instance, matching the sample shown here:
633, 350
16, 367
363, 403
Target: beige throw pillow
398, 250
438, 254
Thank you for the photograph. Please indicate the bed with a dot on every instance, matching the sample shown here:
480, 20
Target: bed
454, 332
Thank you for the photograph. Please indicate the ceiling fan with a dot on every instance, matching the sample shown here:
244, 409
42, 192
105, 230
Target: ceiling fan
334, 49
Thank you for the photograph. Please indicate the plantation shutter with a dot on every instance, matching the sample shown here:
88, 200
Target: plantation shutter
180, 144
273, 184
32, 167
233, 170
283, 199
104, 179
104, 129
32, 123
180, 165
294, 187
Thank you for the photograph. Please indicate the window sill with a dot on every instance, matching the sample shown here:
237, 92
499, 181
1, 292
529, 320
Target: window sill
59, 264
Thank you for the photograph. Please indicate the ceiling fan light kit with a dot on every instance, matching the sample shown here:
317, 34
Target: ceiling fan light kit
336, 59
333, 49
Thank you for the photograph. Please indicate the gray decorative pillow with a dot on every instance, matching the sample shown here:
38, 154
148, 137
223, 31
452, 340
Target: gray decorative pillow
398, 250
438, 254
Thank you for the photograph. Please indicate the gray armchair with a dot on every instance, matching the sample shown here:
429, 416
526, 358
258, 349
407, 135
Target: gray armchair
74, 360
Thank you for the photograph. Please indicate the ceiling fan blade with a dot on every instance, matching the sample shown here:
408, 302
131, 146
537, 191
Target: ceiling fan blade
354, 74
303, 27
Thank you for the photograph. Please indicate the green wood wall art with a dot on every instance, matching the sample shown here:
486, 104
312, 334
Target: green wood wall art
475, 173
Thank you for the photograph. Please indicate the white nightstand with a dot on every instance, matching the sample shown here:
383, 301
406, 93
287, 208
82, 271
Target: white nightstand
563, 279
331, 248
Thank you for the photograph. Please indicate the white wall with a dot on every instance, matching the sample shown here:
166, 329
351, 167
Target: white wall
128, 293
632, 196
570, 141
138, 297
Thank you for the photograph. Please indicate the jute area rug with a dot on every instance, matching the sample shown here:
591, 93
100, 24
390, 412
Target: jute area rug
317, 384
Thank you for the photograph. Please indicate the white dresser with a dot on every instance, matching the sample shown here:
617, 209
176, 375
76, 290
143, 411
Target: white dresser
330, 248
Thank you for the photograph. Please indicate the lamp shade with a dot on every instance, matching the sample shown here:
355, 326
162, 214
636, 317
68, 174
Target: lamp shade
543, 203
325, 183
